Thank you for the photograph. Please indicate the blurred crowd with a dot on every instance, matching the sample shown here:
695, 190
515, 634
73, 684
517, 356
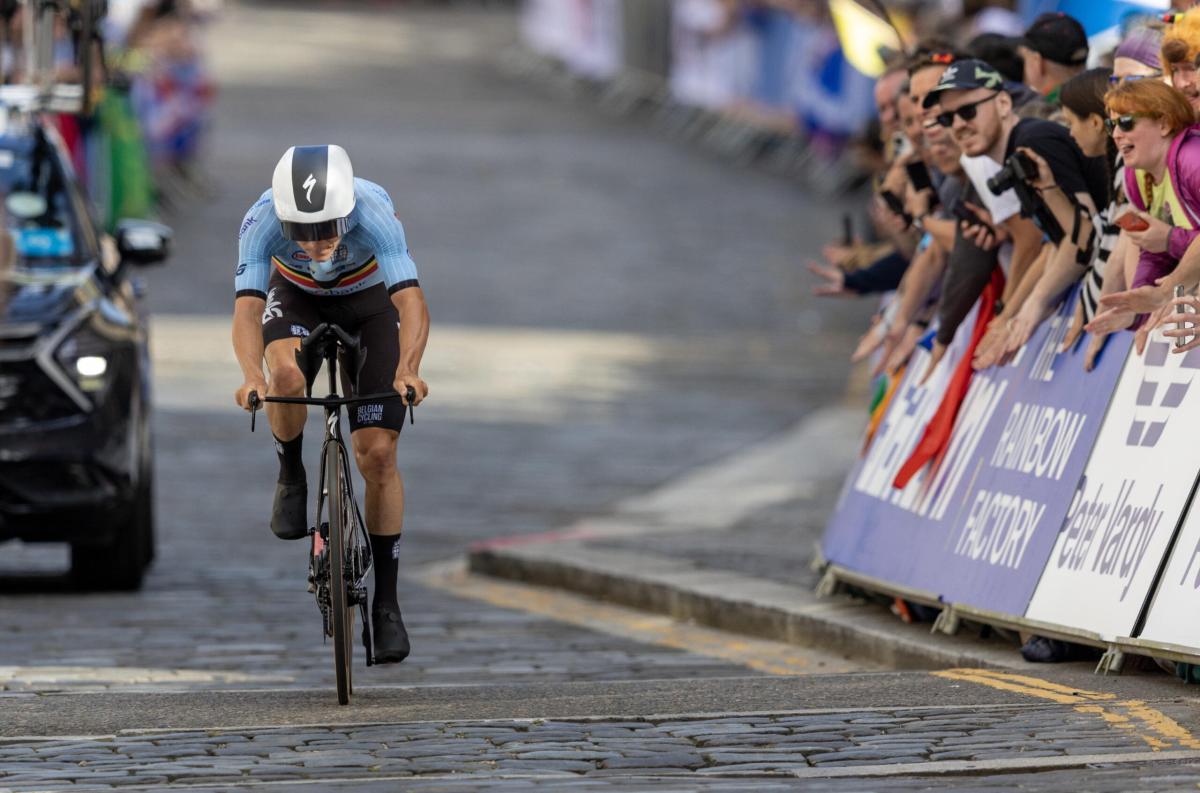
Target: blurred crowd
1021, 165
1009, 174
137, 149
775, 63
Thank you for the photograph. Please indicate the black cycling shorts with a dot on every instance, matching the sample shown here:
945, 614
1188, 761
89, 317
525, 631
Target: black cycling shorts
292, 313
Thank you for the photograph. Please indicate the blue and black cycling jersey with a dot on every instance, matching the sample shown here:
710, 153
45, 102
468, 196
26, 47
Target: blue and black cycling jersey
372, 252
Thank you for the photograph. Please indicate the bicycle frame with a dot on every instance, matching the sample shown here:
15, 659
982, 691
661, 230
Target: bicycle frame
329, 344
356, 586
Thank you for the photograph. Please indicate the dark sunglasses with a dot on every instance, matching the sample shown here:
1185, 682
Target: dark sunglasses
966, 112
1125, 123
1114, 80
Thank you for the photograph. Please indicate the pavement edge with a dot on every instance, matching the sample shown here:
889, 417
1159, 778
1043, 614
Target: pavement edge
739, 604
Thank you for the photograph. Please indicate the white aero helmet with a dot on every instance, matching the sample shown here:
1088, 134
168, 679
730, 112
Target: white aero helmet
313, 191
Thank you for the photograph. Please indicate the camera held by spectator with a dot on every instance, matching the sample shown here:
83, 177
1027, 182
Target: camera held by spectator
1018, 169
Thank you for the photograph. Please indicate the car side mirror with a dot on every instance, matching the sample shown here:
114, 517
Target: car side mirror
143, 241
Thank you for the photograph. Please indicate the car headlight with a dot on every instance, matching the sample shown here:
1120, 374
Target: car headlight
85, 356
91, 366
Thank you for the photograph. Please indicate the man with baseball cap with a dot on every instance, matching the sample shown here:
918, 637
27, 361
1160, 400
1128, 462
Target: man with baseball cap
978, 111
1055, 49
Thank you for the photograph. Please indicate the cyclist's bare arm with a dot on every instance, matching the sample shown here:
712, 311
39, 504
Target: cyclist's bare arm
414, 333
248, 346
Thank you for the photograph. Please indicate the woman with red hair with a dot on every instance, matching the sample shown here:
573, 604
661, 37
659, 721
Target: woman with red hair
1153, 126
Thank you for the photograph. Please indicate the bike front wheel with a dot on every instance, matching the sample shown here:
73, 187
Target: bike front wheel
340, 537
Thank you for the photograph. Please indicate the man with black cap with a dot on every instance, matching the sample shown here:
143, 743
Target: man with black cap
978, 111
1055, 49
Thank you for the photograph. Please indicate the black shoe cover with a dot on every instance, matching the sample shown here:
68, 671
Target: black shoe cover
289, 515
388, 635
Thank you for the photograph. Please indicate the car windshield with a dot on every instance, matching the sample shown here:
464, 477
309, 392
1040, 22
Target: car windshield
38, 211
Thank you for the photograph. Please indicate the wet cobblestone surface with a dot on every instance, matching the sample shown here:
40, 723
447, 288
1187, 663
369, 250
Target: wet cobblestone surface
758, 745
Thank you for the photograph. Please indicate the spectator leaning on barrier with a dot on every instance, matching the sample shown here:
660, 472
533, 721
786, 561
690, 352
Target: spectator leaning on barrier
858, 269
1086, 251
920, 289
1083, 106
1139, 54
887, 94
1136, 58
979, 112
1180, 47
922, 72
1054, 49
1154, 129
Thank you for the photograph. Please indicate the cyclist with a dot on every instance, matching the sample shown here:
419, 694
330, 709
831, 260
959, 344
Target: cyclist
319, 246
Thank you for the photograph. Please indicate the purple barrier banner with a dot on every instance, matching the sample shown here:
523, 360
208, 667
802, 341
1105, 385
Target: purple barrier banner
978, 528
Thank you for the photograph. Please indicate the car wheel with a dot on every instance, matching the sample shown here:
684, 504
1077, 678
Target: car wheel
119, 565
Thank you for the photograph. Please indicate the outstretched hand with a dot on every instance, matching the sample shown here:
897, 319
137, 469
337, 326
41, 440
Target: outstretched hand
1142, 300
991, 347
1182, 325
833, 280
1110, 321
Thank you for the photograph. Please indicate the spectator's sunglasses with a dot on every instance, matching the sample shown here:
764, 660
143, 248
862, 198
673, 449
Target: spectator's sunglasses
966, 112
1125, 123
1114, 80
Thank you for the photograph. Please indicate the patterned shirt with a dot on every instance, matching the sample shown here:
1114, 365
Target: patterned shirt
372, 252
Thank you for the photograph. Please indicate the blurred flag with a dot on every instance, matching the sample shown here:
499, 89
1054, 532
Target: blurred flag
1096, 17
1103, 21
865, 33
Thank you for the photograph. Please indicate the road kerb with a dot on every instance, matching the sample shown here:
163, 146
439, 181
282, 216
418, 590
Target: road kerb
738, 603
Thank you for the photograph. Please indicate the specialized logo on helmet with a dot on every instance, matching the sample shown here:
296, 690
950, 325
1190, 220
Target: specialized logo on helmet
310, 177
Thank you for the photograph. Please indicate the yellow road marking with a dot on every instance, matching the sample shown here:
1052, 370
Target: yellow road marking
776, 658
1157, 729
1161, 723
1122, 722
1023, 684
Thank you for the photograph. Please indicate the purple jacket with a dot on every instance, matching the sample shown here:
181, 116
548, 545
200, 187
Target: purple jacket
1183, 165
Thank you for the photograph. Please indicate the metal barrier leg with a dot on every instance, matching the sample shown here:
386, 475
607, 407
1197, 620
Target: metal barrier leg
1112, 662
947, 622
829, 584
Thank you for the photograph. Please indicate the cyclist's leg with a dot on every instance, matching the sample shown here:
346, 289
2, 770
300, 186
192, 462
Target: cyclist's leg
285, 380
375, 430
289, 315
375, 427
375, 455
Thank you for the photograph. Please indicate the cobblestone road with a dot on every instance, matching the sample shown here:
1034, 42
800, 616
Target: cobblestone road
808, 745
611, 311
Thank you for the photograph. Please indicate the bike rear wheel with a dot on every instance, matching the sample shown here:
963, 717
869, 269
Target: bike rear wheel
340, 538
